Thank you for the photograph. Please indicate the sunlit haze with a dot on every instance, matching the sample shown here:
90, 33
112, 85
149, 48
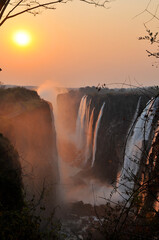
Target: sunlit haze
79, 45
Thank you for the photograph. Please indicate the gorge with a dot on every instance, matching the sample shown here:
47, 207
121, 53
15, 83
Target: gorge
88, 141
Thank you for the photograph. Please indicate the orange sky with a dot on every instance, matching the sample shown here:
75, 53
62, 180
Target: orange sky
78, 45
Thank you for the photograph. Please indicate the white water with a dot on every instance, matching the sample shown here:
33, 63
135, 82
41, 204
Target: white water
88, 150
80, 124
86, 139
135, 146
96, 133
86, 136
136, 114
55, 163
83, 133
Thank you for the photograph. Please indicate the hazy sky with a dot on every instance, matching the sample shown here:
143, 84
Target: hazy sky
78, 45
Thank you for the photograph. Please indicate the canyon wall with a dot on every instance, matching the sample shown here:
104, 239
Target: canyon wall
26, 121
118, 112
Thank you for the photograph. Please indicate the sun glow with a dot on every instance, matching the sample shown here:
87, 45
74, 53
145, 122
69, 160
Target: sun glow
22, 38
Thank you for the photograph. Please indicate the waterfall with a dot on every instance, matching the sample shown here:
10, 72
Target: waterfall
80, 124
136, 114
88, 150
86, 136
49, 93
139, 135
84, 129
96, 133
55, 163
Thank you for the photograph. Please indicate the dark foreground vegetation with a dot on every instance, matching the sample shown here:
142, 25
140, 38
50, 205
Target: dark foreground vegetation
18, 217
16, 220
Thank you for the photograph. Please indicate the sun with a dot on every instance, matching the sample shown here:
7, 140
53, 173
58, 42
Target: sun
22, 38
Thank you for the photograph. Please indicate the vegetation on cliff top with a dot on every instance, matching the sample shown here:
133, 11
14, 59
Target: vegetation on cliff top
17, 100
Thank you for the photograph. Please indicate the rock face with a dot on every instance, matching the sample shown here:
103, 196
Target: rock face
26, 121
119, 109
11, 197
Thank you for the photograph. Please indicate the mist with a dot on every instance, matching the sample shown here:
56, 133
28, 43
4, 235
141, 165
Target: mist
26, 122
73, 186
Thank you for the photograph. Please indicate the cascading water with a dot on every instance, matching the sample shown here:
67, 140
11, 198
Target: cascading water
135, 115
82, 146
55, 156
96, 133
130, 133
84, 126
138, 140
88, 150
86, 136
49, 94
80, 124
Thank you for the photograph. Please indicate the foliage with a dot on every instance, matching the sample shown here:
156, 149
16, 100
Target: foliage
15, 224
17, 100
153, 39
10, 177
20, 219
151, 36
18, 93
25, 224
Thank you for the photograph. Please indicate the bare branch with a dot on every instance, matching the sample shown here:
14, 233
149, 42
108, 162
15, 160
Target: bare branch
97, 3
26, 6
29, 9
14, 8
156, 55
153, 15
143, 10
3, 8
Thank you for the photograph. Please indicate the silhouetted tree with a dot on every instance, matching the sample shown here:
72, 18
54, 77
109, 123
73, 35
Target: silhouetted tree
12, 8
151, 35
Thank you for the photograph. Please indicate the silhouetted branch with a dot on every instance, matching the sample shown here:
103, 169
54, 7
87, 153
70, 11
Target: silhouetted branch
97, 3
33, 7
156, 55
153, 15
